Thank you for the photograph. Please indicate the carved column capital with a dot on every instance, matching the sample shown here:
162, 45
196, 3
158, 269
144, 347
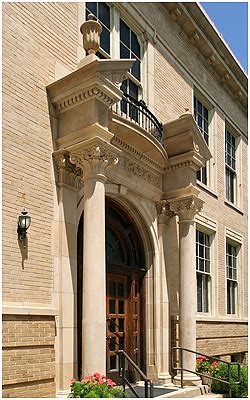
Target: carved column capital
68, 175
186, 207
163, 211
94, 159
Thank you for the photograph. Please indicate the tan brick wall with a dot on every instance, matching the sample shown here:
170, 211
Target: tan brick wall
221, 338
35, 37
172, 91
28, 356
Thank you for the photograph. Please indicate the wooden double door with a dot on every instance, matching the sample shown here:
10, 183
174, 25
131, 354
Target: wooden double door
124, 319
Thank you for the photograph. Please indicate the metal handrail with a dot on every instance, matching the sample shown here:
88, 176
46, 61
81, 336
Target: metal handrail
140, 114
203, 374
149, 389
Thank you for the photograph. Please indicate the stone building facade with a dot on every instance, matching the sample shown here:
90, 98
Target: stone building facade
117, 200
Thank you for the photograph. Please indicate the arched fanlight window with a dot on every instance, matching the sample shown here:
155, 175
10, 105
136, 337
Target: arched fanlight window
123, 243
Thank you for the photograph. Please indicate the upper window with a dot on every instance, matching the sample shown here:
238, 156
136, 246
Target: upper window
201, 115
231, 265
102, 13
230, 166
118, 40
203, 270
130, 48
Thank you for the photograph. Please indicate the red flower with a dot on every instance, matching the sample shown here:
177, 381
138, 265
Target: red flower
110, 383
96, 375
86, 379
215, 363
72, 380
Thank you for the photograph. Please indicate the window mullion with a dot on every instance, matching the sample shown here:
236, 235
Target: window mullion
115, 33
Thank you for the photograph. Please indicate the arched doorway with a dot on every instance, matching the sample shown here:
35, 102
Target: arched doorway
125, 270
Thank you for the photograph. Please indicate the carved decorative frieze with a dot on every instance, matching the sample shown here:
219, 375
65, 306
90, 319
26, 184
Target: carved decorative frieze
186, 207
136, 153
68, 174
94, 159
130, 166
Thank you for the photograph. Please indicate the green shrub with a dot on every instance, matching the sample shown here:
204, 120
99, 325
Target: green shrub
96, 386
238, 389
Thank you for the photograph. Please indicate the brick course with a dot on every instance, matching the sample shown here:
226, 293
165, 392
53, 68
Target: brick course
28, 356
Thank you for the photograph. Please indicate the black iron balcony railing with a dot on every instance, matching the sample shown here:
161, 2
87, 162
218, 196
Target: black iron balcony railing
138, 112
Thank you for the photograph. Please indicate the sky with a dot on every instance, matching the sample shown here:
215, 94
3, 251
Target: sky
230, 19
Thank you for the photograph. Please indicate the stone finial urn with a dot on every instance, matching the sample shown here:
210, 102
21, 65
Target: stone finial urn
91, 31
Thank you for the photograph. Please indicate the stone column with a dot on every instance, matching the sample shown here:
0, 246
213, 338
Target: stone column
186, 208
164, 215
69, 181
94, 161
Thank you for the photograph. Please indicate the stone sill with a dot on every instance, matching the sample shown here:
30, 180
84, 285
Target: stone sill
232, 205
221, 319
206, 189
25, 310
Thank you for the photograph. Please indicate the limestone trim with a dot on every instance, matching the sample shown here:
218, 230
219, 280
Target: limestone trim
233, 235
24, 310
68, 175
186, 207
225, 320
207, 222
137, 154
93, 157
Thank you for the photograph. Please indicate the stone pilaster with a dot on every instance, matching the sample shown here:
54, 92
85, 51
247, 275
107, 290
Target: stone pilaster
164, 214
93, 160
186, 208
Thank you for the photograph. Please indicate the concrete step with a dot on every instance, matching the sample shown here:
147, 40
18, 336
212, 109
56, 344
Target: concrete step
185, 392
211, 395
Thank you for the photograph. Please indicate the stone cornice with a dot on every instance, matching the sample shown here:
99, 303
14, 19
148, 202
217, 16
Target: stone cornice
228, 73
81, 97
94, 78
179, 162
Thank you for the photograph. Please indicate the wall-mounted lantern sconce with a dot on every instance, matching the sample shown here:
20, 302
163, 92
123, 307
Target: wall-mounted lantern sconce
24, 221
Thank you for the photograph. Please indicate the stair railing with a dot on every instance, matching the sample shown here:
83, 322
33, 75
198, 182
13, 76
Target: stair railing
182, 369
148, 385
123, 357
